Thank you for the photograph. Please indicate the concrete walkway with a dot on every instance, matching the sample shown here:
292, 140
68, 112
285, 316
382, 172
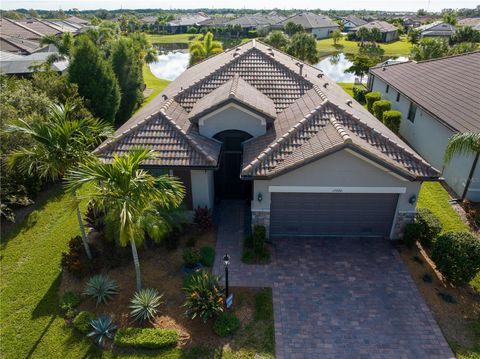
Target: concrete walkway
335, 297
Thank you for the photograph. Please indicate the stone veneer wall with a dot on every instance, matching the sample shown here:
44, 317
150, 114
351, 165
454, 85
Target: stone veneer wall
261, 218
403, 218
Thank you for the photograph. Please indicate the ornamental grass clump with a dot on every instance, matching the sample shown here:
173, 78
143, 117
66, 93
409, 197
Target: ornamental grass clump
145, 304
103, 329
101, 288
204, 297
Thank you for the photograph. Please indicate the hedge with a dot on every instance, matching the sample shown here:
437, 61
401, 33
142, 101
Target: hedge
430, 226
379, 107
148, 338
372, 97
411, 234
226, 324
82, 321
457, 256
359, 94
392, 120
207, 255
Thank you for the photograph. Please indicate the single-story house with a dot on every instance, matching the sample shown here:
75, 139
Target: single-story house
24, 65
351, 21
181, 24
215, 21
437, 29
389, 32
256, 21
253, 123
437, 98
471, 21
411, 22
319, 26
149, 20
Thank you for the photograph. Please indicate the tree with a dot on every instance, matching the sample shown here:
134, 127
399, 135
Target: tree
363, 34
466, 34
421, 12
360, 65
450, 17
277, 39
201, 50
336, 35
375, 35
127, 191
63, 43
463, 48
95, 79
127, 66
291, 28
429, 49
56, 145
414, 36
304, 47
464, 144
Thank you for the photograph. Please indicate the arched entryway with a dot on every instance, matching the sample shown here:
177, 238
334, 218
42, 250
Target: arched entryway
228, 184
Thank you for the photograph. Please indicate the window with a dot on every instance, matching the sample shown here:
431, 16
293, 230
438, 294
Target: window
398, 96
388, 88
412, 112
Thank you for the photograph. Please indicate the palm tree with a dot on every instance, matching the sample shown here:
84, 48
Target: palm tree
363, 34
201, 50
57, 144
128, 192
63, 43
464, 144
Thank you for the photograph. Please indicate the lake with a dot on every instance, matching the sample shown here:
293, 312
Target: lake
173, 60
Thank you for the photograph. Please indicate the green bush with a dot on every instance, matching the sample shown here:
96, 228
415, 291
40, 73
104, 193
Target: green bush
379, 107
359, 94
191, 257
70, 300
430, 226
82, 321
204, 297
207, 256
147, 338
392, 120
259, 235
372, 97
226, 324
411, 234
457, 256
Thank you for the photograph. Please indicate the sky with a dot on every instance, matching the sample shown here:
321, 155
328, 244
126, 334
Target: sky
390, 5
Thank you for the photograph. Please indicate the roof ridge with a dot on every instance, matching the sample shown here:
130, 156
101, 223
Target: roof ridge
340, 129
447, 57
234, 86
23, 26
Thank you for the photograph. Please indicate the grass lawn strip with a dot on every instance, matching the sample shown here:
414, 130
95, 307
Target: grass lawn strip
398, 48
153, 83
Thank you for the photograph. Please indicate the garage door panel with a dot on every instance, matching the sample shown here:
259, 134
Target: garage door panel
332, 214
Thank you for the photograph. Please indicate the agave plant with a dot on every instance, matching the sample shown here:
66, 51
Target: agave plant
145, 304
103, 329
101, 288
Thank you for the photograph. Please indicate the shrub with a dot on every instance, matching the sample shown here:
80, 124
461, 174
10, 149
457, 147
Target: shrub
145, 304
372, 97
226, 324
359, 94
191, 257
203, 217
101, 288
430, 226
82, 321
207, 256
379, 107
76, 262
411, 234
392, 120
103, 329
259, 235
147, 338
457, 256
70, 300
94, 216
249, 241
351, 36
204, 297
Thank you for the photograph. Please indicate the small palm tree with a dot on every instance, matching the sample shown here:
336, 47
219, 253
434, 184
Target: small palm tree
201, 50
363, 34
464, 144
63, 43
127, 191
57, 144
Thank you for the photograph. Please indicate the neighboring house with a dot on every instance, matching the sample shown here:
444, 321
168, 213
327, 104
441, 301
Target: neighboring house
351, 21
472, 21
20, 65
40, 26
148, 20
437, 29
77, 20
319, 26
182, 23
253, 123
216, 21
437, 98
389, 32
411, 22
256, 21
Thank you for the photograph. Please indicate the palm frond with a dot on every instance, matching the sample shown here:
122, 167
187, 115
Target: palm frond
462, 144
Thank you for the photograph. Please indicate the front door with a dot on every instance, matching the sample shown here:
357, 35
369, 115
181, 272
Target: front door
228, 184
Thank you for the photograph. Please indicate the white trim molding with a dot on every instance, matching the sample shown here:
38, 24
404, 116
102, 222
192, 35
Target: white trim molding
201, 120
319, 189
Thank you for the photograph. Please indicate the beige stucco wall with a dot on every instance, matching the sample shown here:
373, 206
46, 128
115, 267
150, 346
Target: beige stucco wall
202, 188
341, 169
323, 32
429, 138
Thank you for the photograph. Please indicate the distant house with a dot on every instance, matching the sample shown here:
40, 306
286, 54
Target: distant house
149, 20
351, 21
256, 21
77, 20
14, 64
437, 99
472, 21
319, 26
411, 22
437, 29
181, 24
388, 31
216, 21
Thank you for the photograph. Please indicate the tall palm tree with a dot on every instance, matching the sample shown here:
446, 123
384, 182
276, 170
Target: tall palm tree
201, 50
128, 192
464, 144
57, 144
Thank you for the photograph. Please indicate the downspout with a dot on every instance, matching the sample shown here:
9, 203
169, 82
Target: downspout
470, 176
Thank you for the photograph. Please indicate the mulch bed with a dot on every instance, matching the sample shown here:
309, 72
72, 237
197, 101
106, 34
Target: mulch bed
453, 318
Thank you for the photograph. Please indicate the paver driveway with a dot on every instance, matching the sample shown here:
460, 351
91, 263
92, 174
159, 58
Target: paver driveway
336, 297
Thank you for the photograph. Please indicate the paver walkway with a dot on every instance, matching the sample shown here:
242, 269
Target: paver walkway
335, 297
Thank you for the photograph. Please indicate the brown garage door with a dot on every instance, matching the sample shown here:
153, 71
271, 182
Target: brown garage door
332, 214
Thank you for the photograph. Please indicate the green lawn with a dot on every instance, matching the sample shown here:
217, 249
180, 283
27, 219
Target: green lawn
152, 82
397, 48
348, 87
170, 39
